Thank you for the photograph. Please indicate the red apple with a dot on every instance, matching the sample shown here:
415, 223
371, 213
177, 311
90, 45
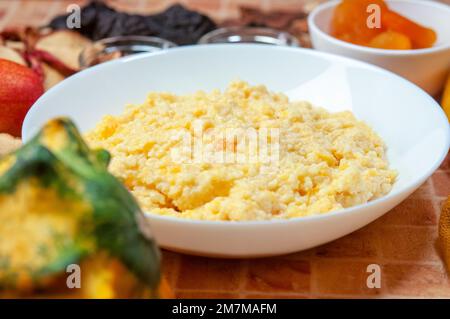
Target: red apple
20, 87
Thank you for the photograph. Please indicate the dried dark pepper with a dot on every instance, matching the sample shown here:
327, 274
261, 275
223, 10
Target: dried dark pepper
177, 24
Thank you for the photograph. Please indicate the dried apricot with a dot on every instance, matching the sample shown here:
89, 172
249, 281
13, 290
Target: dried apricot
350, 21
421, 37
353, 22
391, 40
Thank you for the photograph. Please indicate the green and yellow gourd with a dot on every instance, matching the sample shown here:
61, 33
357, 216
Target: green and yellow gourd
59, 206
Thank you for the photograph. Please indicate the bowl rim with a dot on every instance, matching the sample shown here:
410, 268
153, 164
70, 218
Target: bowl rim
333, 57
386, 52
291, 41
97, 47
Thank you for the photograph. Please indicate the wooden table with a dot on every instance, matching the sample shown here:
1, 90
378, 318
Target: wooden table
402, 243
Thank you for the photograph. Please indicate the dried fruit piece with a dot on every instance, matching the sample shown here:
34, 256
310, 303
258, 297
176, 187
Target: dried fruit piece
51, 55
37, 57
421, 37
176, 24
63, 47
18, 46
11, 55
391, 40
25, 35
350, 21
51, 76
8, 144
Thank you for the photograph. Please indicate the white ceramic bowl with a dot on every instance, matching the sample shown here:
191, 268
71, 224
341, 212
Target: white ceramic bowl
413, 126
425, 67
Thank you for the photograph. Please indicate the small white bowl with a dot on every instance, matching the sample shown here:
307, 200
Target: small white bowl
425, 67
412, 124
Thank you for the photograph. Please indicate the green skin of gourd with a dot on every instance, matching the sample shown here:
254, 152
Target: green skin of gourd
113, 223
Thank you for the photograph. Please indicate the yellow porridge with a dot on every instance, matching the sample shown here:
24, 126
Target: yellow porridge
175, 155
